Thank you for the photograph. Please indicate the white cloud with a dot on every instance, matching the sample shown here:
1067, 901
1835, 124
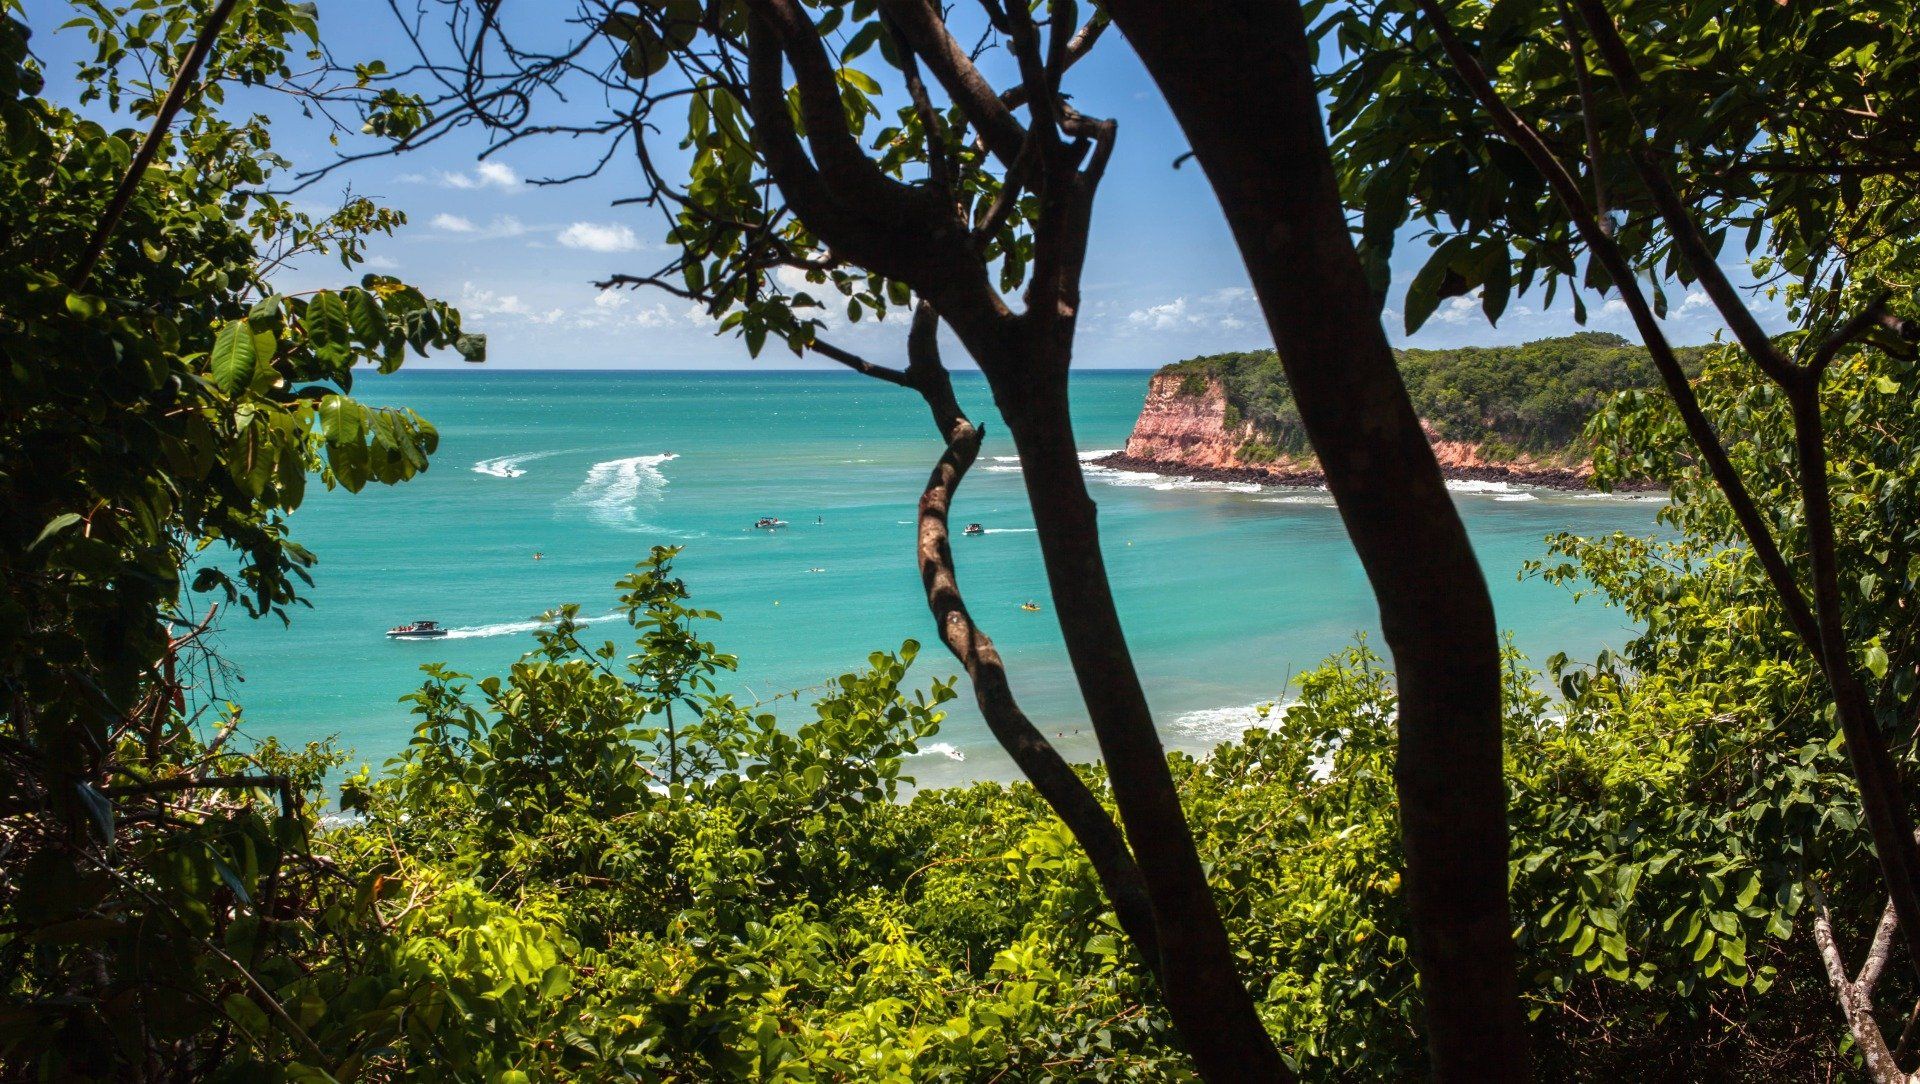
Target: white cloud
1161, 317
382, 263
1231, 308
611, 299
1458, 310
497, 174
485, 175
599, 237
499, 226
475, 301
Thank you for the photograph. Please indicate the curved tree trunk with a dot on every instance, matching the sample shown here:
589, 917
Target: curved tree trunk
1238, 76
1199, 977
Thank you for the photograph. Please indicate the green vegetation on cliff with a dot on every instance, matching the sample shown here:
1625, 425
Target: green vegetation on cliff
1533, 398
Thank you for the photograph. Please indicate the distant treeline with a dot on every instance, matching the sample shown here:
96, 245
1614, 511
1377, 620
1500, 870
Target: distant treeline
1533, 398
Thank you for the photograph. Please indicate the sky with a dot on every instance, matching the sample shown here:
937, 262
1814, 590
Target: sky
1163, 280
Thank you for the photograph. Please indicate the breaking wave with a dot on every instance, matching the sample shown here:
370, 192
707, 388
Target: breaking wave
1474, 485
1141, 479
943, 749
1215, 725
1320, 498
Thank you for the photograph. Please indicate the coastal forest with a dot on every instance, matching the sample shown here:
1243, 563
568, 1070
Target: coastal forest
1535, 398
1693, 858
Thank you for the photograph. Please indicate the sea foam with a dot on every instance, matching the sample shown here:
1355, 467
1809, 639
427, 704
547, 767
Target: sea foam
1161, 482
515, 628
1215, 725
1319, 498
508, 466
615, 489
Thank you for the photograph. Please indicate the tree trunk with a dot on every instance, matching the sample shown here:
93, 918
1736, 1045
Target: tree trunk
1200, 981
1238, 76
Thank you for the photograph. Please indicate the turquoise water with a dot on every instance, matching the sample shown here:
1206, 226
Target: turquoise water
1226, 591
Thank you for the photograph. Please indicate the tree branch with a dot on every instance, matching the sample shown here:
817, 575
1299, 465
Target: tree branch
1693, 249
842, 161
1757, 531
150, 146
861, 365
1856, 1006
984, 109
1051, 775
1878, 951
1590, 118
1847, 333
1819, 625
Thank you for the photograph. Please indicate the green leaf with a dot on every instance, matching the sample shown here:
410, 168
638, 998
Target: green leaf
233, 357
369, 322
1435, 282
54, 526
1877, 660
99, 808
328, 328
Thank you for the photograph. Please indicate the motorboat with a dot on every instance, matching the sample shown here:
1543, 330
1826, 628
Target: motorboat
1030, 606
768, 523
417, 630
974, 528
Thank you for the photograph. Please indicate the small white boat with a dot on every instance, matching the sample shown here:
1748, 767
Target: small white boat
417, 630
768, 523
974, 528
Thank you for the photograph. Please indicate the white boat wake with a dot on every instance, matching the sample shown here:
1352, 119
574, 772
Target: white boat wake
615, 490
508, 466
515, 628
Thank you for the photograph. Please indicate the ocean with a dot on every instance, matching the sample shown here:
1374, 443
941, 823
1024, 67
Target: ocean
1227, 590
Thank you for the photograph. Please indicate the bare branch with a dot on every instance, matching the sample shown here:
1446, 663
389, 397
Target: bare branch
1856, 1004
843, 163
1693, 249
1846, 334
1878, 951
982, 106
861, 365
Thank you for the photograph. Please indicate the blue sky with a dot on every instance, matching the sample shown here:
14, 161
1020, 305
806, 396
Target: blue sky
1163, 279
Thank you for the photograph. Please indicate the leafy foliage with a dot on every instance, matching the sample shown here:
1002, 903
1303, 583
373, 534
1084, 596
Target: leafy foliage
1780, 120
159, 416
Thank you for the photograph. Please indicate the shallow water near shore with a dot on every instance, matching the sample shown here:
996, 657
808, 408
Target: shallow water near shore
1226, 589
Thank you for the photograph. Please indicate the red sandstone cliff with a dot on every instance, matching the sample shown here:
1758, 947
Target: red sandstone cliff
1189, 434
1192, 431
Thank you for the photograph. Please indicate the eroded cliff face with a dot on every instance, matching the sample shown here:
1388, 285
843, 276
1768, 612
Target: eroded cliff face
1176, 428
1178, 431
